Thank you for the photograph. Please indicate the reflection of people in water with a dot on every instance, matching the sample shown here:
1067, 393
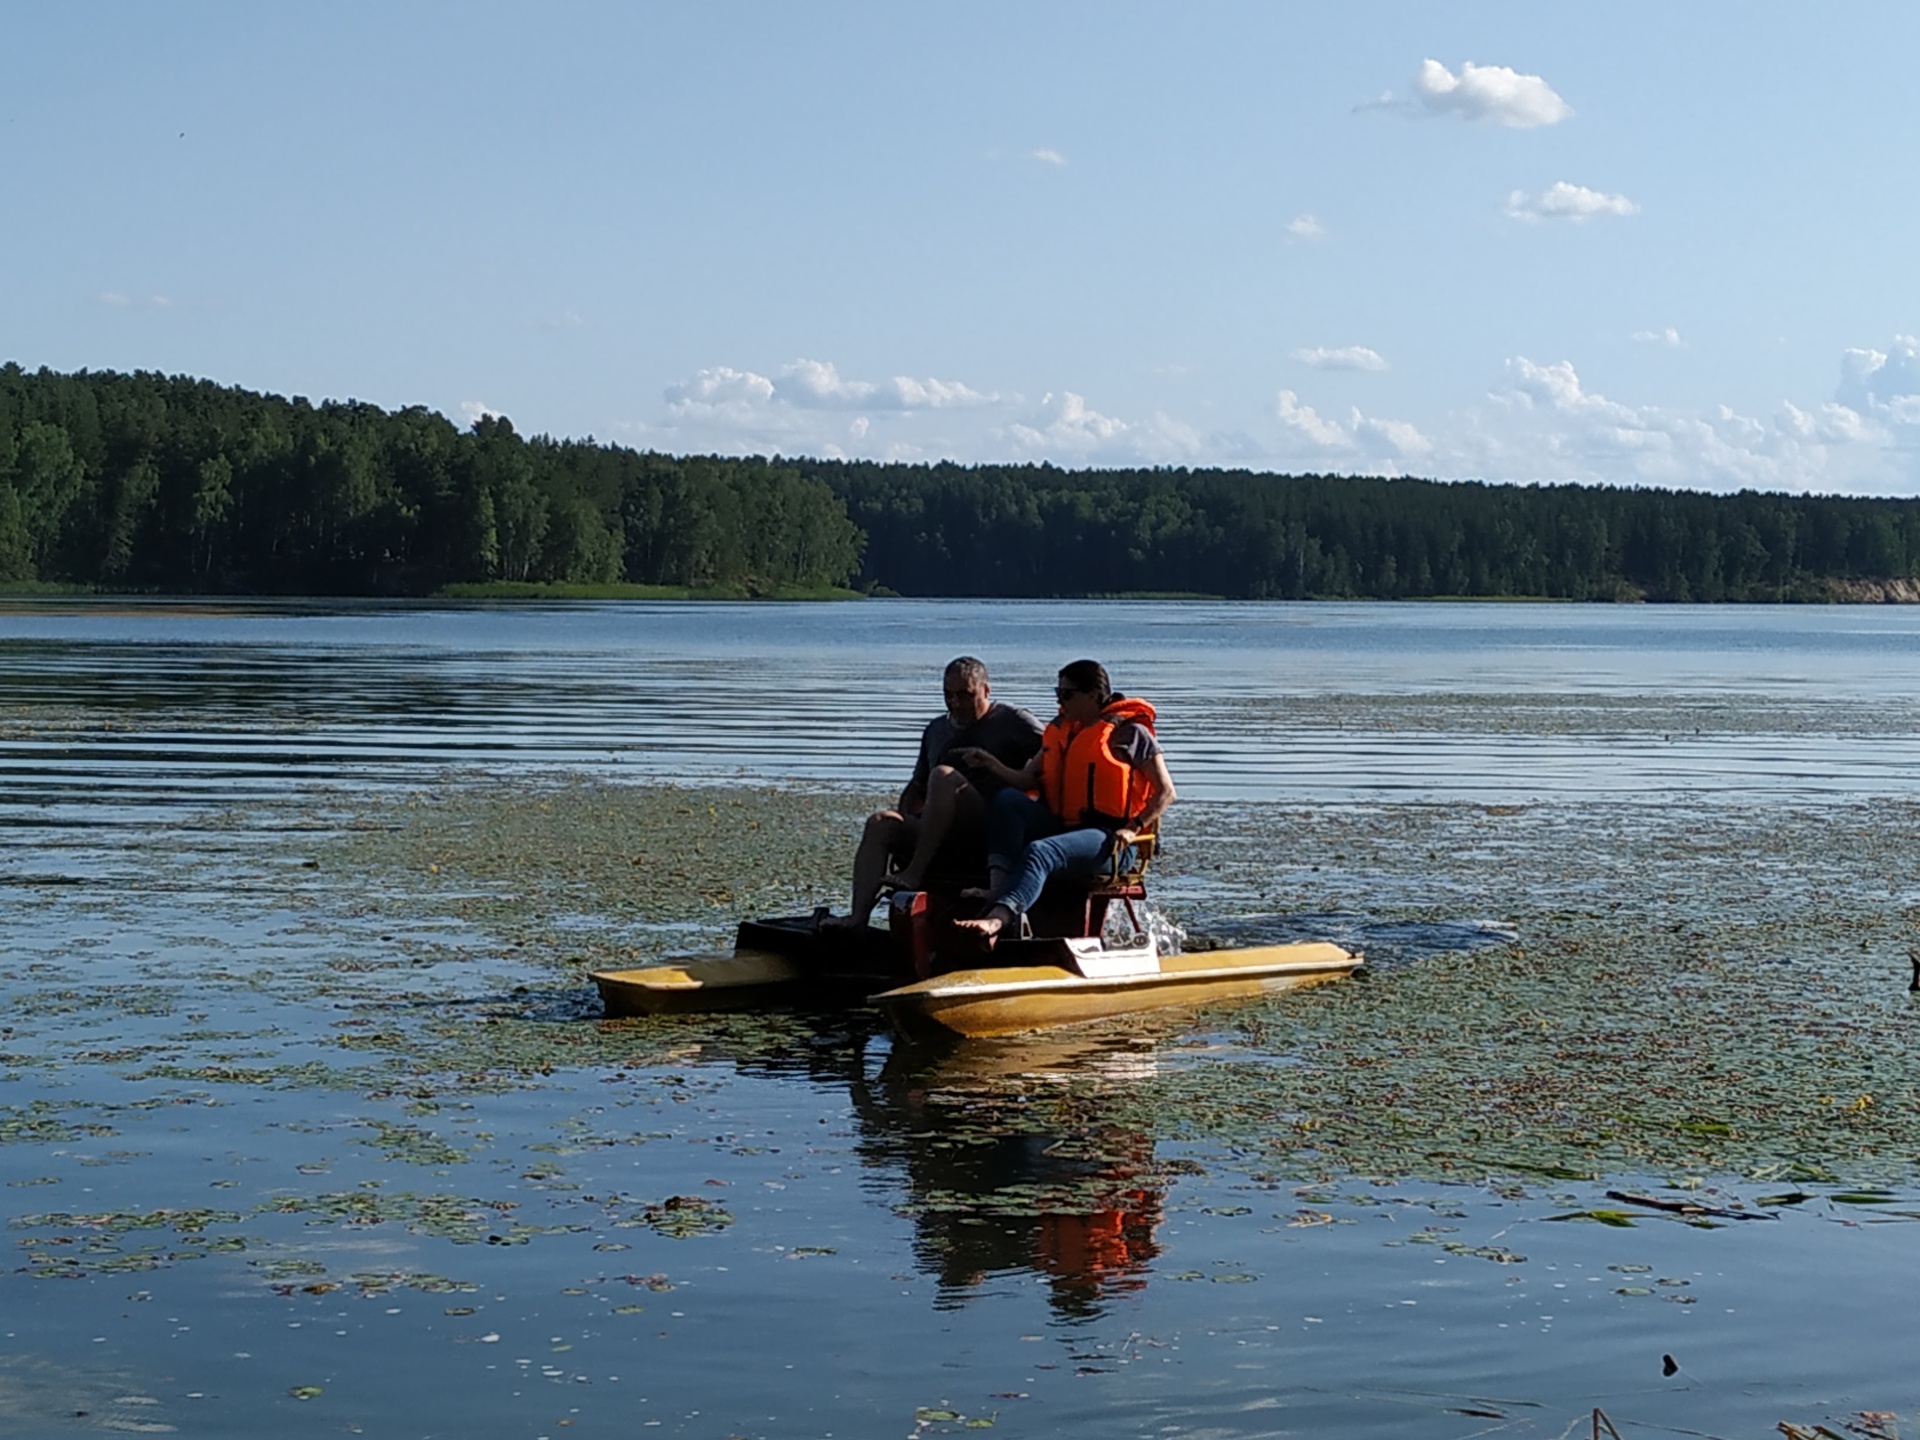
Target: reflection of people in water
987, 1193
988, 1196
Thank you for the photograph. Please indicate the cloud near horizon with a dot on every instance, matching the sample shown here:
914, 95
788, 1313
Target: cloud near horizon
1489, 92
1540, 423
816, 385
1884, 384
1383, 443
1560, 430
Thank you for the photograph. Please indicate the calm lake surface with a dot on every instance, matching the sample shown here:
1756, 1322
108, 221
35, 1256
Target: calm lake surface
292, 1139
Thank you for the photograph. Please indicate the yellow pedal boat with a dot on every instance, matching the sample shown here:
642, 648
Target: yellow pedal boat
1070, 988
1019, 985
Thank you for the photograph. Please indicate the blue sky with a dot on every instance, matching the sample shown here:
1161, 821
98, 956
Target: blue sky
1638, 243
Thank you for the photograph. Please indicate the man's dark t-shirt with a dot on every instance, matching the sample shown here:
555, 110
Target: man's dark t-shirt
1009, 734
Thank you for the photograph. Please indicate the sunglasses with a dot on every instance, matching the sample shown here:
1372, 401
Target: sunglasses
1062, 692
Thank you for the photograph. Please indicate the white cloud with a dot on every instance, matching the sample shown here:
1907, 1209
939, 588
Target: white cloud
1305, 227
1066, 422
1668, 337
474, 411
1347, 357
717, 388
1305, 420
117, 300
1064, 427
1829, 424
1402, 437
1382, 442
1885, 384
737, 410
565, 320
1049, 157
1489, 92
1552, 427
930, 394
1561, 201
1541, 421
818, 384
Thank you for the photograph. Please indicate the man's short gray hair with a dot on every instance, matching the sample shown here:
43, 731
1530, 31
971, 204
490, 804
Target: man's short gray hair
968, 669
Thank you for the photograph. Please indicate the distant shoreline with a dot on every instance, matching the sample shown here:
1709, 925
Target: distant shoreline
1849, 592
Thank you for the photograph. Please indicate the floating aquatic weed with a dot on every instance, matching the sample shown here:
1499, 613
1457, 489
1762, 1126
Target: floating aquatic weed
381, 1282
96, 1247
680, 1216
589, 866
457, 1218
1686, 984
411, 1144
40, 1122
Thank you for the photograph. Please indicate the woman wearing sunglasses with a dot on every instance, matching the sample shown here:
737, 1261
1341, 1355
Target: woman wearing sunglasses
1102, 784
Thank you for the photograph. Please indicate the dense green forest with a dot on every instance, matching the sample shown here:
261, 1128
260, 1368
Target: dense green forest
159, 483
152, 482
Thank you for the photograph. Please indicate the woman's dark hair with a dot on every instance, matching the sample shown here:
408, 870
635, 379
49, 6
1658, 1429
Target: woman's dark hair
1090, 676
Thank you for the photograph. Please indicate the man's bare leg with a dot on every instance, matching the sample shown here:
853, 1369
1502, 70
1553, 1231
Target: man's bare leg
888, 833
950, 801
989, 925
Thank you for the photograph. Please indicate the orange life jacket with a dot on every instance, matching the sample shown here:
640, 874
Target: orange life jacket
1083, 781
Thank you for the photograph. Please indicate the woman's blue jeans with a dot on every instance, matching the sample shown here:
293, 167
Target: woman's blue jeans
1030, 841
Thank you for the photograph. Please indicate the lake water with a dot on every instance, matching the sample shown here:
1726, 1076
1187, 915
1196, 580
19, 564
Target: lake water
309, 1122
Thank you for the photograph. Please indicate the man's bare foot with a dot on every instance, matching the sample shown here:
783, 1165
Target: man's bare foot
989, 925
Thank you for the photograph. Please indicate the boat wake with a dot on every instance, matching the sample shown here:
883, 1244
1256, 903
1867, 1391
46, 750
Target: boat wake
1385, 943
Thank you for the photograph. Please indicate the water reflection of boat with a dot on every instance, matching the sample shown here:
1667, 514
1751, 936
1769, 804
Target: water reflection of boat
992, 1193
931, 977
1007, 1156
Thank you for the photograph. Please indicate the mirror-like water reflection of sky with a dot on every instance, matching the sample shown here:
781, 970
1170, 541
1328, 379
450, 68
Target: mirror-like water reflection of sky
234, 1176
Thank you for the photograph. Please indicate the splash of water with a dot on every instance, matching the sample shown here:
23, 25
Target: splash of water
1167, 936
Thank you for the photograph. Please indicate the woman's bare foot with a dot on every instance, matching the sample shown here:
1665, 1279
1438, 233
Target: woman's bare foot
989, 925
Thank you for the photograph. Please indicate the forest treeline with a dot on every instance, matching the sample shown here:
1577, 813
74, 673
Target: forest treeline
153, 482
